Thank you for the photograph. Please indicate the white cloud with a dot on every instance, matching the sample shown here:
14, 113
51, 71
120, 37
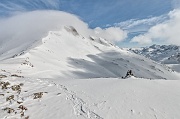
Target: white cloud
111, 33
166, 32
141, 39
14, 6
141, 25
29, 27
135, 22
51, 3
32, 26
176, 3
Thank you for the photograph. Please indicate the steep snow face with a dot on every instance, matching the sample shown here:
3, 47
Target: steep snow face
68, 54
165, 54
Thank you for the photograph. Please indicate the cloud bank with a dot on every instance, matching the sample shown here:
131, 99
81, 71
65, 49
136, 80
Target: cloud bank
40, 22
29, 27
167, 32
113, 34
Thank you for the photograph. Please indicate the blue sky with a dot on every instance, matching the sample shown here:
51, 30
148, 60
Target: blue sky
94, 12
134, 16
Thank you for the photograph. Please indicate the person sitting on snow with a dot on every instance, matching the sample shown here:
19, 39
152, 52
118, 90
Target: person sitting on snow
129, 73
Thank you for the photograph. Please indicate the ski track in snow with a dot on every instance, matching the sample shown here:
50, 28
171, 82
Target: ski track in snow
79, 106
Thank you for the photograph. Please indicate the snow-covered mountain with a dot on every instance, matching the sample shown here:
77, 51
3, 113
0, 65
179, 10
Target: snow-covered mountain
168, 54
68, 54
165, 54
71, 76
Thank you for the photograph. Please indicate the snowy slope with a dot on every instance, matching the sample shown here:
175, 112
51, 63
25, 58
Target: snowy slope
68, 54
103, 98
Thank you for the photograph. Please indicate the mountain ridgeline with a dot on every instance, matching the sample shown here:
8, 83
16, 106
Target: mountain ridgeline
167, 54
69, 54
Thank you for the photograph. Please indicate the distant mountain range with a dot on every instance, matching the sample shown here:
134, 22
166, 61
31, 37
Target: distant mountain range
165, 54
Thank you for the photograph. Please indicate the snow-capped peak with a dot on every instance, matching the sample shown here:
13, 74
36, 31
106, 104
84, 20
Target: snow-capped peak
165, 54
68, 54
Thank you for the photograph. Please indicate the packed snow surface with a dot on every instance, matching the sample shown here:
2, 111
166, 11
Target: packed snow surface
102, 98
